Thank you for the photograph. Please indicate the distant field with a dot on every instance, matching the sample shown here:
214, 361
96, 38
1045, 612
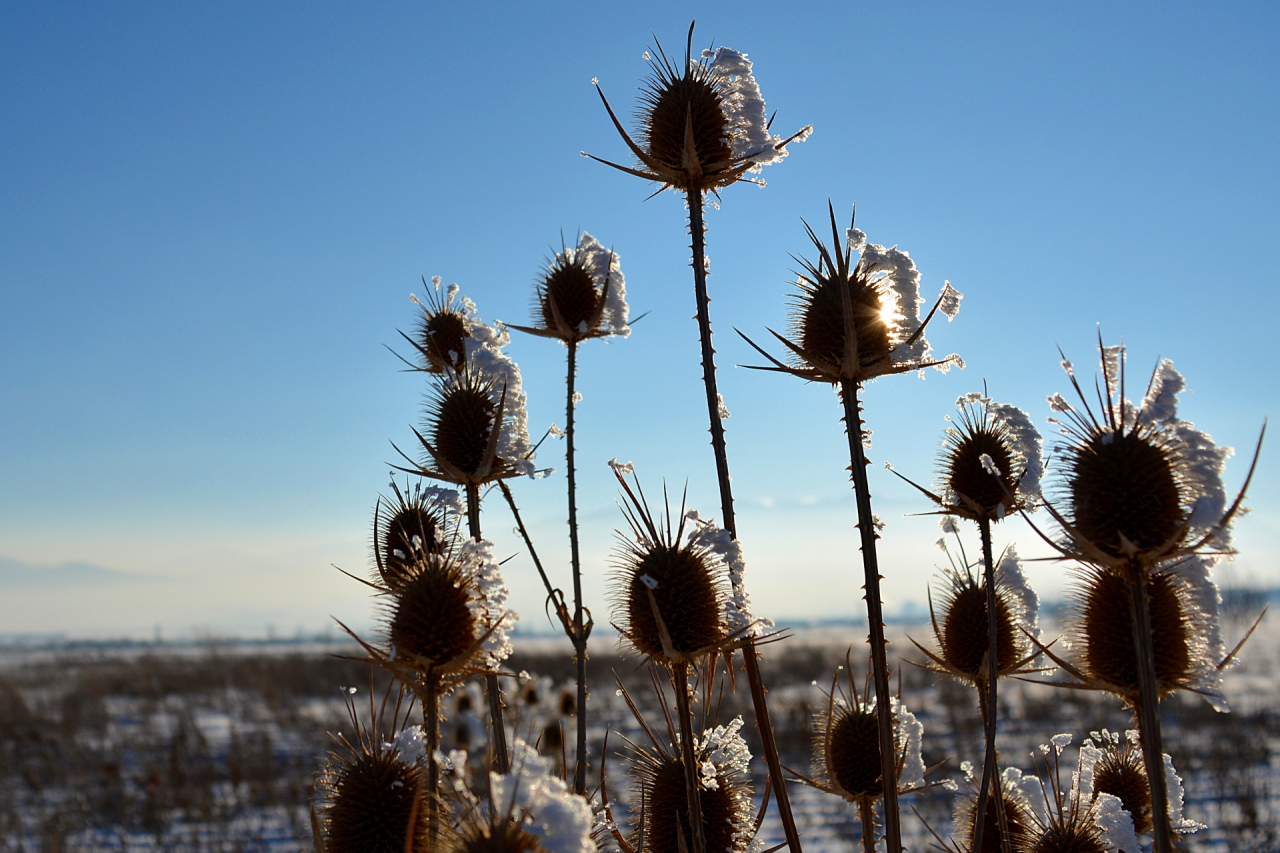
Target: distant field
214, 748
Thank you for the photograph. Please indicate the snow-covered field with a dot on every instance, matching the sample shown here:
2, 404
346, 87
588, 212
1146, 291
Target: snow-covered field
215, 749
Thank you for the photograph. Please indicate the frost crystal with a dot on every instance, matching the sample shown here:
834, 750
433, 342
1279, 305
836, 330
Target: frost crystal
489, 607
744, 110
723, 409
486, 358
542, 803
1199, 595
738, 605
1026, 445
1115, 824
605, 269
411, 743
950, 302
1011, 579
621, 467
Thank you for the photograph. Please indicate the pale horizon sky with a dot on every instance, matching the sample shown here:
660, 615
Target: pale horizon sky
211, 219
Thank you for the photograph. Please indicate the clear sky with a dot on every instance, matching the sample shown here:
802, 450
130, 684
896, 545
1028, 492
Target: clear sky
212, 217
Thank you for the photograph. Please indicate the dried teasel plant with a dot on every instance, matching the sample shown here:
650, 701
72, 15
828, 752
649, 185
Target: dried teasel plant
581, 294
703, 127
854, 322
417, 521
719, 817
847, 761
999, 832
371, 795
442, 330
1111, 763
1144, 510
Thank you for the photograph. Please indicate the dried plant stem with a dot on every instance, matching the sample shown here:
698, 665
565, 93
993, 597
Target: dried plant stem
867, 817
875, 617
680, 675
579, 637
751, 659
502, 756
1148, 707
430, 697
987, 699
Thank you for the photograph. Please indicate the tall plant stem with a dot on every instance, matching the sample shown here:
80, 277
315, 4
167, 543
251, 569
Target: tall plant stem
1148, 710
579, 633
987, 695
867, 816
750, 657
431, 717
681, 677
875, 617
502, 757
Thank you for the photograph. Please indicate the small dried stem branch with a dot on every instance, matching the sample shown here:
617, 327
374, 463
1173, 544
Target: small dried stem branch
1148, 707
431, 717
502, 755
680, 673
867, 817
875, 617
751, 659
579, 637
987, 691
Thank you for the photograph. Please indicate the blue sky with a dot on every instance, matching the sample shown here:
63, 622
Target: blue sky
211, 218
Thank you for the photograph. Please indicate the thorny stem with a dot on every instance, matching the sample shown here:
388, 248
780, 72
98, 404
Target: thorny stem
579, 635
990, 709
431, 716
681, 673
867, 817
502, 757
875, 617
1148, 708
750, 658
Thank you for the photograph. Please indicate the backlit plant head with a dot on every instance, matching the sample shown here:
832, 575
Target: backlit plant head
370, 792
846, 744
442, 330
580, 294
670, 589
1111, 763
1138, 485
960, 621
419, 521
1018, 818
855, 320
991, 461
701, 124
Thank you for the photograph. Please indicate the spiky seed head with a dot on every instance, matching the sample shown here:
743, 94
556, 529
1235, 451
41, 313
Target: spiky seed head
370, 802
1104, 629
442, 335
672, 102
977, 461
504, 835
552, 740
666, 810
965, 631
1017, 819
1122, 773
463, 423
851, 751
1123, 486
417, 527
432, 618
818, 320
568, 703
568, 289
684, 583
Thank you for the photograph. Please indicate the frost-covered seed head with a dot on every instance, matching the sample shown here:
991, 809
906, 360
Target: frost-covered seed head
1123, 487
442, 331
580, 294
503, 836
1121, 772
418, 522
432, 617
688, 594
1017, 817
852, 752
462, 422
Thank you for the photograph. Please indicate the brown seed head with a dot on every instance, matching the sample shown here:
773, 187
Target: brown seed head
461, 418
441, 333
683, 583
503, 836
666, 810
965, 472
568, 300
1121, 772
370, 804
415, 524
850, 750
1123, 487
431, 617
1104, 629
965, 632
674, 102
1017, 818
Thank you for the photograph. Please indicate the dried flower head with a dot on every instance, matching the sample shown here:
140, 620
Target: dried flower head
370, 792
846, 744
1112, 764
581, 294
961, 635
418, 521
1141, 486
1186, 634
529, 810
991, 460
855, 321
724, 792
1018, 819
669, 599
1077, 820
443, 329
702, 125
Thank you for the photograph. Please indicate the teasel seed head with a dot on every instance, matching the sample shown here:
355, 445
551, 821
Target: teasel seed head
702, 124
442, 329
670, 589
1111, 763
991, 460
1017, 814
432, 619
467, 419
416, 522
1140, 485
854, 321
581, 294
662, 808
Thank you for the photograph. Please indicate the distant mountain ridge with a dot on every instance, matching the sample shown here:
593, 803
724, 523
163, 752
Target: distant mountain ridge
17, 574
